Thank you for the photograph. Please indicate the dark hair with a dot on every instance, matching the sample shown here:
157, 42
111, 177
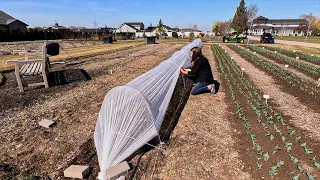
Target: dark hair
196, 53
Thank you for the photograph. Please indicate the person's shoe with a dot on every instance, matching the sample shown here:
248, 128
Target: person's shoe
213, 89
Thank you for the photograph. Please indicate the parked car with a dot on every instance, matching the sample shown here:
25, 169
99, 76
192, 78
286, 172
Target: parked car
267, 38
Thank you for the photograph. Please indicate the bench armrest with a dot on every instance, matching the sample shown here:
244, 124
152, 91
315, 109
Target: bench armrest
23, 61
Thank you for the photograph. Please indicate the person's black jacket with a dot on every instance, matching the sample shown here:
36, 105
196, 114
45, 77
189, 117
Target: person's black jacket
201, 71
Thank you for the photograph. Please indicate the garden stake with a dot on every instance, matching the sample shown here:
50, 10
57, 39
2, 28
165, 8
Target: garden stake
266, 97
242, 69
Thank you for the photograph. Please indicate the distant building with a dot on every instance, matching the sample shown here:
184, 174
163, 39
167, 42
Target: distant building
9, 23
130, 28
152, 31
285, 27
137, 25
186, 32
56, 27
94, 31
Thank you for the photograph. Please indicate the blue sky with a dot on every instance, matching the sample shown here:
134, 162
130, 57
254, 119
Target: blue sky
181, 13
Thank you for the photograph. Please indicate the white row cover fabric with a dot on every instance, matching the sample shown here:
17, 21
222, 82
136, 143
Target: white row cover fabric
131, 115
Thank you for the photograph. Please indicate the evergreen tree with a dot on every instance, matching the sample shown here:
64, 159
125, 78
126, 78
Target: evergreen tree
240, 18
160, 27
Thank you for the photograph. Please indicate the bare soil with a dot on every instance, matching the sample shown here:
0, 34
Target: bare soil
204, 143
73, 103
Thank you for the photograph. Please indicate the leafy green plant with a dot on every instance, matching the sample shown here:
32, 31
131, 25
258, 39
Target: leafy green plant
310, 177
266, 156
316, 164
298, 139
288, 146
293, 159
273, 171
300, 168
271, 137
296, 177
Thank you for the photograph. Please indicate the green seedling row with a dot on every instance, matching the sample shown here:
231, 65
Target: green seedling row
257, 104
298, 64
307, 57
295, 81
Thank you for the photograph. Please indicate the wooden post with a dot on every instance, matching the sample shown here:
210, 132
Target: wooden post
17, 73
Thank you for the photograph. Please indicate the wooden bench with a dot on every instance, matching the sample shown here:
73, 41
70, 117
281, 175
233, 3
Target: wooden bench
31, 68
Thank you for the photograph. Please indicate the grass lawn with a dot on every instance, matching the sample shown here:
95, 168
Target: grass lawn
311, 39
305, 50
73, 52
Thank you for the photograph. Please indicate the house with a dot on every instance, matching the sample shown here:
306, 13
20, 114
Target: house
56, 27
285, 27
9, 23
186, 32
152, 31
130, 28
94, 31
137, 25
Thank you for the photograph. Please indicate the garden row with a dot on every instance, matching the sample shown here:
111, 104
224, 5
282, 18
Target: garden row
278, 148
304, 89
308, 69
310, 58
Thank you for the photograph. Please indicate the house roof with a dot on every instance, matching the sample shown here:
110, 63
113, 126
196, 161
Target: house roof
134, 23
131, 25
265, 20
189, 30
90, 30
167, 27
150, 29
176, 29
6, 19
56, 27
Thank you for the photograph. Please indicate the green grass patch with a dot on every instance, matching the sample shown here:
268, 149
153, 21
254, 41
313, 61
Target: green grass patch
310, 39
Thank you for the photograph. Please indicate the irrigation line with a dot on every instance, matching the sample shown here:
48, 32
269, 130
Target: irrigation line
136, 167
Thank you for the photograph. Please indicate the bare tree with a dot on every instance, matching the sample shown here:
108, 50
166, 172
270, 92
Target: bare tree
227, 25
313, 23
252, 11
95, 24
195, 27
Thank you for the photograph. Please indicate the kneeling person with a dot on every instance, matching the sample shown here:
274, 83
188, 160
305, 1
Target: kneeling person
200, 73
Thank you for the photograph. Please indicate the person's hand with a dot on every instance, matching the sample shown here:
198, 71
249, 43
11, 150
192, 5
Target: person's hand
183, 71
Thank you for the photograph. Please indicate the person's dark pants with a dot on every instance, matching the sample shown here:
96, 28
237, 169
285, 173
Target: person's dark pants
200, 88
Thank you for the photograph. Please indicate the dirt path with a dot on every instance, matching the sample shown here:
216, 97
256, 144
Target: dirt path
306, 44
203, 144
301, 116
35, 150
291, 68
